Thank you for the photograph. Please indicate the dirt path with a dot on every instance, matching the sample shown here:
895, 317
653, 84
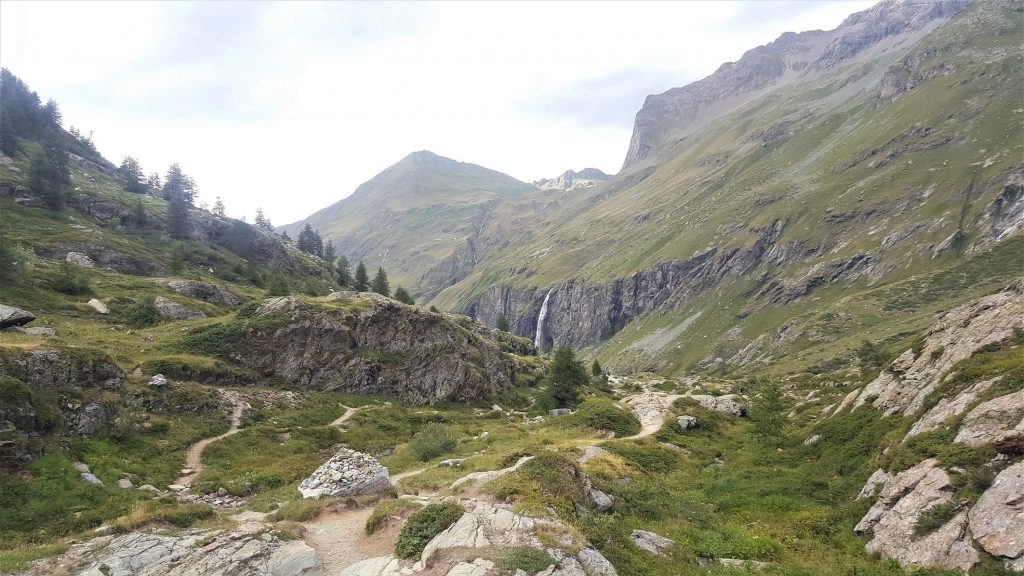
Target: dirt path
193, 459
650, 408
340, 539
349, 412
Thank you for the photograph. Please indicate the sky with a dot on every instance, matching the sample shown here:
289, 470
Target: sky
289, 106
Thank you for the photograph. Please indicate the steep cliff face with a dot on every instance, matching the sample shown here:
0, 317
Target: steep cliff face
371, 345
790, 59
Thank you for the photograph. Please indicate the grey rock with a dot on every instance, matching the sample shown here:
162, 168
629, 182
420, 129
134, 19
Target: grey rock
52, 369
125, 483
91, 478
948, 408
595, 564
80, 259
599, 501
812, 440
158, 381
559, 412
98, 306
687, 422
650, 541
452, 462
213, 293
347, 473
149, 488
731, 404
39, 331
176, 311
85, 419
571, 180
990, 421
11, 316
997, 519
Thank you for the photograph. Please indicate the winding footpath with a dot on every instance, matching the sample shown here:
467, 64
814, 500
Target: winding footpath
193, 459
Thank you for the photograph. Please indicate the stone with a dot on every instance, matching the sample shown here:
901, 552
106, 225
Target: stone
125, 483
902, 501
988, 422
176, 311
599, 501
595, 564
149, 488
997, 519
650, 541
478, 567
11, 316
878, 478
80, 259
347, 473
811, 441
98, 306
496, 408
39, 331
687, 422
293, 559
489, 475
158, 381
731, 404
485, 525
177, 487
452, 462
947, 408
91, 478
559, 412
213, 293
381, 566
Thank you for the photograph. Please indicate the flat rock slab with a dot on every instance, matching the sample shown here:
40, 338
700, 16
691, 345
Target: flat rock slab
11, 316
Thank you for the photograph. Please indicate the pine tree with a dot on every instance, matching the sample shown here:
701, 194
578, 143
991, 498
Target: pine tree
131, 172
50, 176
403, 296
179, 185
51, 112
329, 256
310, 241
262, 222
362, 281
139, 218
218, 208
380, 282
767, 412
502, 323
565, 376
153, 182
177, 218
8, 136
344, 274
595, 368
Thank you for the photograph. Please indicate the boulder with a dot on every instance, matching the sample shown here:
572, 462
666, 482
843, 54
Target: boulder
125, 483
98, 306
80, 259
811, 441
650, 541
731, 404
176, 311
948, 408
212, 293
997, 519
11, 316
38, 331
158, 381
85, 419
599, 500
990, 421
687, 422
560, 412
595, 564
347, 473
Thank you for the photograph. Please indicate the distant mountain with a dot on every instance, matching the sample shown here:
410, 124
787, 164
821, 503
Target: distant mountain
415, 213
571, 180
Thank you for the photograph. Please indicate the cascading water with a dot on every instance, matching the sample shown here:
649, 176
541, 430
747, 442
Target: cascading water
539, 336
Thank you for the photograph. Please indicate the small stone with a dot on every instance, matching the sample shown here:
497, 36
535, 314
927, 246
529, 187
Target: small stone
812, 440
650, 541
452, 462
177, 487
158, 381
91, 478
149, 488
124, 483
559, 412
98, 306
687, 422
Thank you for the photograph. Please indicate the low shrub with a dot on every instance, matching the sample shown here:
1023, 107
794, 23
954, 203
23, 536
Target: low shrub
142, 314
935, 517
13, 391
606, 415
422, 526
432, 441
530, 560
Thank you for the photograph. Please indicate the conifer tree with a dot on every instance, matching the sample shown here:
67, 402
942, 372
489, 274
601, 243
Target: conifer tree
131, 172
344, 274
565, 377
139, 218
595, 368
380, 282
51, 112
502, 323
329, 256
179, 185
218, 208
362, 280
50, 176
177, 218
153, 182
402, 295
262, 222
310, 241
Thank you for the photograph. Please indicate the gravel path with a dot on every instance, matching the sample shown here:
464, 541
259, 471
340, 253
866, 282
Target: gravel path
193, 459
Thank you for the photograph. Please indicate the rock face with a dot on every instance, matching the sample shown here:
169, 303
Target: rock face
792, 58
11, 316
571, 180
62, 369
378, 346
176, 311
212, 293
80, 259
948, 408
347, 473
650, 541
186, 554
997, 520
900, 504
991, 422
731, 404
103, 257
907, 382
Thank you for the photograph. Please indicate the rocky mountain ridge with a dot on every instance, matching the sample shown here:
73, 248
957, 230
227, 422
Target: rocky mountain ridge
571, 180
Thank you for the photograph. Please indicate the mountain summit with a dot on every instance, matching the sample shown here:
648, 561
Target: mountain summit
571, 180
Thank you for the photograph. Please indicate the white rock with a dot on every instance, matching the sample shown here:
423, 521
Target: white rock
650, 541
80, 259
98, 306
989, 421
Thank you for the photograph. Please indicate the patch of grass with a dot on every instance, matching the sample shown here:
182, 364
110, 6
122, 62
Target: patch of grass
432, 441
385, 510
935, 517
529, 560
550, 481
142, 314
17, 559
149, 512
604, 415
423, 525
299, 510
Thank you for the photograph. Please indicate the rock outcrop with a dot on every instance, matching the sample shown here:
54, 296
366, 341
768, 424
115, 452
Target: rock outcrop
904, 498
994, 421
907, 382
11, 316
212, 293
731, 404
347, 473
651, 542
373, 345
52, 369
571, 180
175, 310
997, 519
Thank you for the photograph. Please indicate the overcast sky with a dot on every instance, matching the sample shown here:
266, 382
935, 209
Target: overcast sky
291, 105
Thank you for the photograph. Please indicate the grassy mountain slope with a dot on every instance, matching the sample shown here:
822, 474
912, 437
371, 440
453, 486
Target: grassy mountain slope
412, 215
904, 166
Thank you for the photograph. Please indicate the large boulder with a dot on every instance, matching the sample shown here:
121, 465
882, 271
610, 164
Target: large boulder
990, 422
347, 473
212, 293
731, 404
176, 311
11, 316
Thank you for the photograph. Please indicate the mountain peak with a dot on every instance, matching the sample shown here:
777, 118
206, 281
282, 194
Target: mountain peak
571, 180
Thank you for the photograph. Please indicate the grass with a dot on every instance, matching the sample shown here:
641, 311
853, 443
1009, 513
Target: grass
604, 415
385, 510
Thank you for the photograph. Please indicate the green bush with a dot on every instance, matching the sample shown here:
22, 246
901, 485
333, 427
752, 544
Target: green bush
248, 309
530, 560
13, 391
71, 281
142, 313
432, 441
423, 526
935, 517
606, 415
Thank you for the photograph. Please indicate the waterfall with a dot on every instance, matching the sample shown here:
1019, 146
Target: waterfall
539, 337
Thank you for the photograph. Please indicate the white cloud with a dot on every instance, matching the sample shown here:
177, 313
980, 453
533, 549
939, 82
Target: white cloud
290, 106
